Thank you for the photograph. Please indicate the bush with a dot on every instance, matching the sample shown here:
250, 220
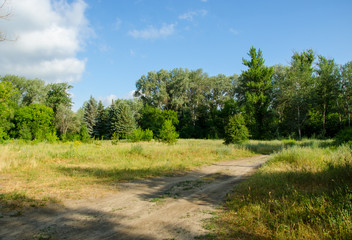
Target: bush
236, 130
344, 136
168, 133
148, 135
139, 134
84, 133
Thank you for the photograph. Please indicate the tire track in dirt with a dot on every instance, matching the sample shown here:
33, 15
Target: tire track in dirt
157, 208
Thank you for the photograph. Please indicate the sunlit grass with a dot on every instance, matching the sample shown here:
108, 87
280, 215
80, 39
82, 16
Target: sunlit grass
300, 193
73, 170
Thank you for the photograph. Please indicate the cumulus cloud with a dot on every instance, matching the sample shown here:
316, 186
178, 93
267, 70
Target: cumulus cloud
152, 33
45, 37
190, 15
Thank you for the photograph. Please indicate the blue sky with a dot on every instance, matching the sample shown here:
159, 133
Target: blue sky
104, 46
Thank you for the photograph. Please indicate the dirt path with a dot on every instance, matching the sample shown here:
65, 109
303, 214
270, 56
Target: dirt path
158, 208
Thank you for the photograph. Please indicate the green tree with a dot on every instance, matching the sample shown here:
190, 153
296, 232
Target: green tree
58, 94
7, 108
299, 87
101, 128
326, 87
90, 114
168, 133
35, 121
122, 122
236, 130
346, 90
254, 93
30, 90
67, 123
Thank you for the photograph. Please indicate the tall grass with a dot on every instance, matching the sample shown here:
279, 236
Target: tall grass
72, 170
301, 193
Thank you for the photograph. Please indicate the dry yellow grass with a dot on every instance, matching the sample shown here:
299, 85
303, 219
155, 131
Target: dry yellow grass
73, 170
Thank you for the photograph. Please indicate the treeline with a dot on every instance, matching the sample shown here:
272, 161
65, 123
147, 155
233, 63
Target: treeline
311, 97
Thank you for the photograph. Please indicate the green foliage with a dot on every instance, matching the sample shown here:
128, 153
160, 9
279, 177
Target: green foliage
236, 130
29, 90
122, 122
148, 135
344, 136
58, 94
35, 121
168, 133
254, 93
90, 114
84, 133
196, 98
101, 128
7, 106
139, 134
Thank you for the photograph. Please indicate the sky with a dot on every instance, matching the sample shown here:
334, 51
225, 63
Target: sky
102, 47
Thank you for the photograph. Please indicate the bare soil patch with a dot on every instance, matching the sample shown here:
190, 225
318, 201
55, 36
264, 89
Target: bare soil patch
157, 208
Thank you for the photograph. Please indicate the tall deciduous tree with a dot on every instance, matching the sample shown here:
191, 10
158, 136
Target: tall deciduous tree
35, 121
58, 94
326, 87
346, 90
299, 87
254, 93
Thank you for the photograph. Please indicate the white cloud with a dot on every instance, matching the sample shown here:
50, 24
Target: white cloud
234, 31
189, 16
204, 0
117, 24
130, 95
108, 99
47, 36
151, 33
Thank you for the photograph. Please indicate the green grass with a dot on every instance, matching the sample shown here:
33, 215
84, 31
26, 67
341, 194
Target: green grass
302, 192
75, 169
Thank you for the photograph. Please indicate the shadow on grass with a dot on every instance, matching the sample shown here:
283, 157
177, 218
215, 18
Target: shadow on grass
296, 202
269, 147
102, 222
119, 174
14, 203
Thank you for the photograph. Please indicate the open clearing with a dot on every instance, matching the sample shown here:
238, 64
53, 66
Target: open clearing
156, 208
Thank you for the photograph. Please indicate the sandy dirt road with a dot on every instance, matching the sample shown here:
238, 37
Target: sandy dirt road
157, 208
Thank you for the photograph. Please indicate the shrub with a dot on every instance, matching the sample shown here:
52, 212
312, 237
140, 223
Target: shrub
139, 134
168, 133
148, 135
344, 136
236, 130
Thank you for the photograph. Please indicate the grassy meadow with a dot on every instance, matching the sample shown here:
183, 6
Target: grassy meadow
32, 174
302, 192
